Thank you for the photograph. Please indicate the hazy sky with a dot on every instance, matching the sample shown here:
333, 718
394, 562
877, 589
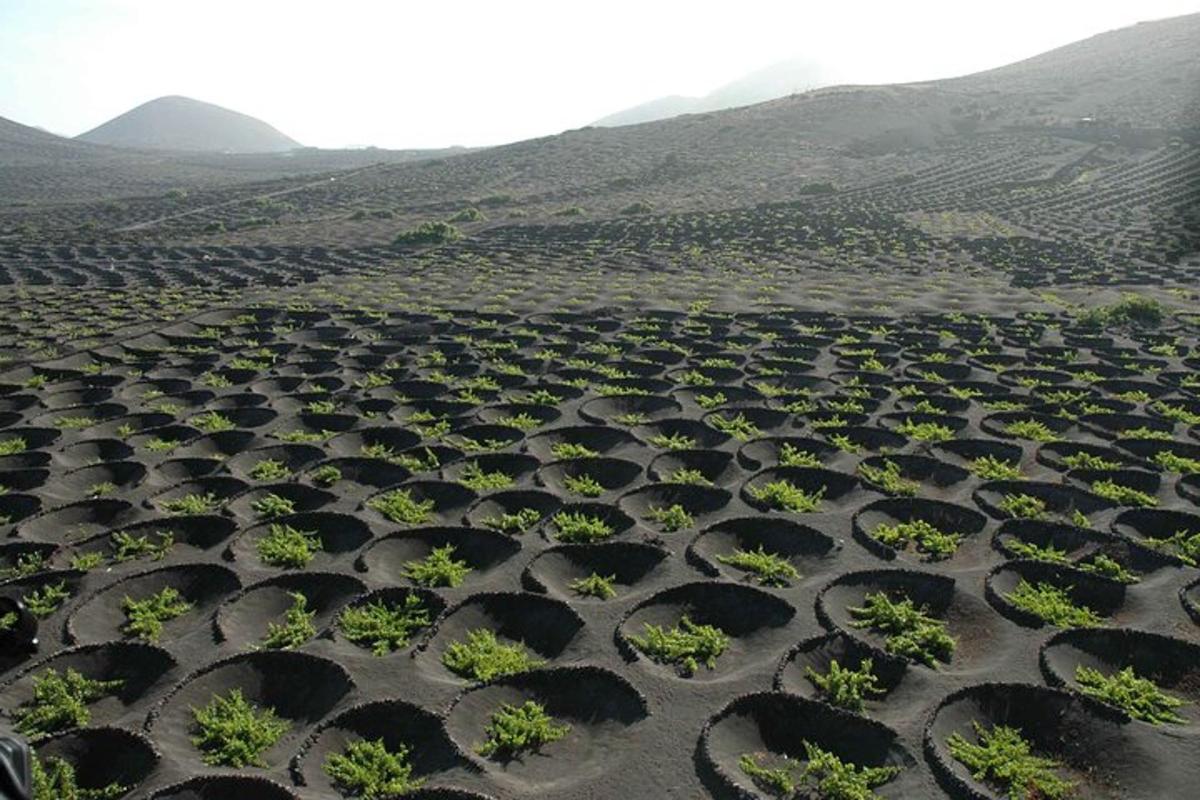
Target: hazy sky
401, 73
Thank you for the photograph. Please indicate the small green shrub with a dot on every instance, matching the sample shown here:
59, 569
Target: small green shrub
45, 601
575, 527
24, 565
384, 627
399, 506
483, 657
522, 422
232, 732
1032, 429
792, 456
567, 450
844, 443
1084, 460
687, 645
271, 505
908, 631
1052, 605
498, 199
738, 427
888, 479
474, 478
926, 431
85, 562
1023, 506
1177, 413
270, 470
1175, 463
1131, 310
1005, 405
127, 547
514, 524
674, 441
469, 445
428, 233
54, 779
831, 423
769, 569
778, 781
1108, 567
1147, 434
689, 477
60, 701
373, 380
439, 568
296, 628
368, 769
10, 447
468, 214
304, 437
844, 687
927, 538
1050, 554
839, 780
213, 422
782, 494
672, 519
74, 423
1182, 544
1004, 759
990, 468
191, 504
215, 380
1123, 495
822, 775
847, 406
517, 729
1138, 697
595, 585
144, 618
327, 475
541, 397
584, 485
223, 423
379, 451
288, 547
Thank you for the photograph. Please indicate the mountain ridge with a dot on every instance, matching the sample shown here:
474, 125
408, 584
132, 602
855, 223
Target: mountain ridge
769, 83
183, 124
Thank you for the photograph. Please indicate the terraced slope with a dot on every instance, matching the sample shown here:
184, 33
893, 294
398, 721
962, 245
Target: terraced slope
834, 442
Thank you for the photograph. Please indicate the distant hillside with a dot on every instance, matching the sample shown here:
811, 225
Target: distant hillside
1146, 76
660, 108
21, 145
777, 80
848, 136
37, 166
180, 123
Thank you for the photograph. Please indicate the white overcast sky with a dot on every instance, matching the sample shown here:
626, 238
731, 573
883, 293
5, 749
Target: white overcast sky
400, 73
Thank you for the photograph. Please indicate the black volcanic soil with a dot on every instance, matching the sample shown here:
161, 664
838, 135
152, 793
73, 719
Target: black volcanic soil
620, 462
644, 335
